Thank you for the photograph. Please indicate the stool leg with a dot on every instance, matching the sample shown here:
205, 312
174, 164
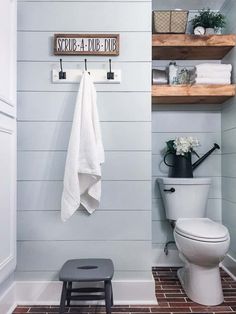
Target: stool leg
69, 293
112, 300
63, 298
108, 296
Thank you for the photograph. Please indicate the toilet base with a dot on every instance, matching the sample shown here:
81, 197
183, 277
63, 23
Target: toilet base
201, 284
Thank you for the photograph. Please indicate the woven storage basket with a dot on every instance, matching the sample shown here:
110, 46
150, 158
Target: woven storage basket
174, 22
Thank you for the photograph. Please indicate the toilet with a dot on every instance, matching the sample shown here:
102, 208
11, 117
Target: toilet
201, 242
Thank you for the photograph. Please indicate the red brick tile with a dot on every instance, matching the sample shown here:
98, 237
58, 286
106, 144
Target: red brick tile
157, 268
160, 304
131, 309
47, 309
172, 288
134, 306
172, 310
181, 304
20, 309
168, 279
174, 285
214, 309
171, 299
174, 295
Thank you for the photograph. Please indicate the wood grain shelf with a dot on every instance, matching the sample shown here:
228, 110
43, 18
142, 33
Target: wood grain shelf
192, 94
191, 47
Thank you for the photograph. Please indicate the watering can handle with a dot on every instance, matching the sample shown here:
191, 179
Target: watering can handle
165, 160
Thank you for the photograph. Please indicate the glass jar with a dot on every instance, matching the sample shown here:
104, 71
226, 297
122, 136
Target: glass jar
173, 73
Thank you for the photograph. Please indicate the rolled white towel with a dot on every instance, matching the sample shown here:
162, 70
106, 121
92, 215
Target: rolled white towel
213, 81
213, 67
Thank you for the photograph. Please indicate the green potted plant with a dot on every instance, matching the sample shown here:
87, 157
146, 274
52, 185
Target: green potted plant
209, 20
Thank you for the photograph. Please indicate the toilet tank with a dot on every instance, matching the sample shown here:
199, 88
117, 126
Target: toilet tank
184, 197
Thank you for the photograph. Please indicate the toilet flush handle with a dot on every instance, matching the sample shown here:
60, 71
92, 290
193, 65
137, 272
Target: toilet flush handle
172, 190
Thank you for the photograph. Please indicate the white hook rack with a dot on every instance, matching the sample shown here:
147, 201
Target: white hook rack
99, 76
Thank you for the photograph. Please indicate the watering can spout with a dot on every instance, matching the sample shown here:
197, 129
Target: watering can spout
200, 160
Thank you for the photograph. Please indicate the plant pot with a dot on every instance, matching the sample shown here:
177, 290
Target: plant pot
218, 30
210, 31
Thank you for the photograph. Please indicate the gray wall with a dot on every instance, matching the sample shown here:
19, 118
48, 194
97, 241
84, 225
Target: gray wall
121, 228
228, 141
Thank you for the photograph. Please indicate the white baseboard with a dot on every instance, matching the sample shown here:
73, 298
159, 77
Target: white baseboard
229, 266
7, 300
48, 293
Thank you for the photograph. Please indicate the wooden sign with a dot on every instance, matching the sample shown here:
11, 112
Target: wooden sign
86, 44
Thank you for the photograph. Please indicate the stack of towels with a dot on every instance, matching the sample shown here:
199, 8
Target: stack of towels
213, 73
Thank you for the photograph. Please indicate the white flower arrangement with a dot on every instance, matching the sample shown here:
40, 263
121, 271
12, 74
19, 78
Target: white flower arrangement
182, 145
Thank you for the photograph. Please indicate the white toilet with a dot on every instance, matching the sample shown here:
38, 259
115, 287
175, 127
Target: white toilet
202, 243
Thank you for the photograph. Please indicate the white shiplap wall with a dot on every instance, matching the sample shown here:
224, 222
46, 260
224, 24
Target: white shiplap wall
228, 145
121, 228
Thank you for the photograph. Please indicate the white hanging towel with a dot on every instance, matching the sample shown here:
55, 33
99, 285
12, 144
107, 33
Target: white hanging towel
82, 178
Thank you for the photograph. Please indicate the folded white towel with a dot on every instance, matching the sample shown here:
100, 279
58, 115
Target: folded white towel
214, 67
82, 178
213, 74
213, 81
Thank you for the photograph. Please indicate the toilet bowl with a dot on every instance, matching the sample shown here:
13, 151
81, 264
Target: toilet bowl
202, 245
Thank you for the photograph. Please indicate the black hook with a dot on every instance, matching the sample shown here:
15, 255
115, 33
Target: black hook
110, 74
62, 75
85, 66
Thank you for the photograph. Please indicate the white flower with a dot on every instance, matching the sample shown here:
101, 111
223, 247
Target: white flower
184, 145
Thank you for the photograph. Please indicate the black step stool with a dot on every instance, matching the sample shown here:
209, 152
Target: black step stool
87, 270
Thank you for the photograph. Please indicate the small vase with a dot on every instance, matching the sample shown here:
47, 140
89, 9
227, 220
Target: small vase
210, 31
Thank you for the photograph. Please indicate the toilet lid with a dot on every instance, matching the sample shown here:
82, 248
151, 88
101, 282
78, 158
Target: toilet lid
202, 229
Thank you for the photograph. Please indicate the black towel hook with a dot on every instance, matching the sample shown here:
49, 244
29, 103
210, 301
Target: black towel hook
85, 65
110, 74
62, 75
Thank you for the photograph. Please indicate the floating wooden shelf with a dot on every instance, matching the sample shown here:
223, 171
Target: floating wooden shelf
191, 47
192, 94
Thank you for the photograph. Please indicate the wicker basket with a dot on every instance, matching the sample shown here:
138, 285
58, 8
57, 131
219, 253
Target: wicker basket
174, 22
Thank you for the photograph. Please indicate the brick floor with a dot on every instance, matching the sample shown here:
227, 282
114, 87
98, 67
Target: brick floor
170, 295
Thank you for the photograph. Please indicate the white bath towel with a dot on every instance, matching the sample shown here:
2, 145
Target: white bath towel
214, 74
213, 67
214, 81
82, 178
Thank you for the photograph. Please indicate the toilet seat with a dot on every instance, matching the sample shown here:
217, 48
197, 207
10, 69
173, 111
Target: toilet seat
201, 229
